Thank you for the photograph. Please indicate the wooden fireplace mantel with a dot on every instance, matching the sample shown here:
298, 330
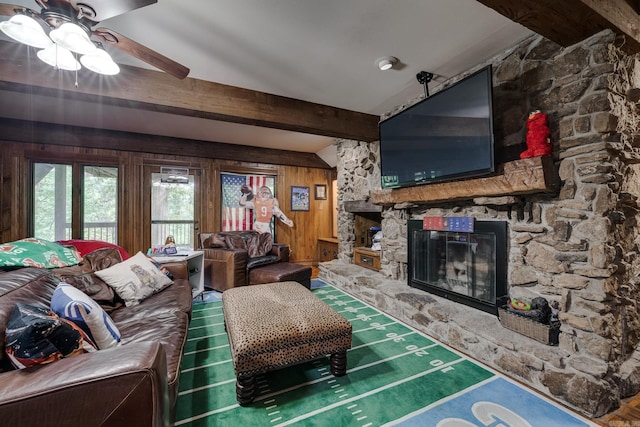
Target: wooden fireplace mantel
525, 176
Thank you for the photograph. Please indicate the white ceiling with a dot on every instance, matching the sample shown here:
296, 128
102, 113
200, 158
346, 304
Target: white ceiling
318, 51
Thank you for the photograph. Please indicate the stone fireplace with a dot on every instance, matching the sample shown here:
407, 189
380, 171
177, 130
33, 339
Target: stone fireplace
576, 244
466, 267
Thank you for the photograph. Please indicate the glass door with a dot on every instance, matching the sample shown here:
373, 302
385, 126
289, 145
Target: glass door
173, 208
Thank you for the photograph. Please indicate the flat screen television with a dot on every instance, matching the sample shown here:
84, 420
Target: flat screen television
446, 136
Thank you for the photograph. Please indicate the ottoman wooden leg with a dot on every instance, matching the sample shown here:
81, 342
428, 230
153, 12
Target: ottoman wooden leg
245, 389
338, 363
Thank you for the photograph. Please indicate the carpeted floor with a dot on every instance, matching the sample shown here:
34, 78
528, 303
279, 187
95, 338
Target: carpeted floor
395, 376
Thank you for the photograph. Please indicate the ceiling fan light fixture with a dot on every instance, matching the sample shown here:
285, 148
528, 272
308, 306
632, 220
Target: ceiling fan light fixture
70, 36
59, 57
99, 61
386, 62
26, 30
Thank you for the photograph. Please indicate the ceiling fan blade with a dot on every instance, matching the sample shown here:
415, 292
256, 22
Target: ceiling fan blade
105, 9
13, 9
141, 52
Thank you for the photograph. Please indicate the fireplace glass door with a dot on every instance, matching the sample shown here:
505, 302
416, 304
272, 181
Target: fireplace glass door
461, 266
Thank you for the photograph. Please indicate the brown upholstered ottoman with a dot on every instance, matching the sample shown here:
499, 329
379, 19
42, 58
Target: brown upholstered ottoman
281, 272
275, 325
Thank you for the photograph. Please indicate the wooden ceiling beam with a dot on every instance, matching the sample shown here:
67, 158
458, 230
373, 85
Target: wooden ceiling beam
76, 136
568, 22
22, 71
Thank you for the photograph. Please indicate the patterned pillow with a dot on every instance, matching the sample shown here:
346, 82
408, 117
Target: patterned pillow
134, 279
39, 253
74, 305
36, 336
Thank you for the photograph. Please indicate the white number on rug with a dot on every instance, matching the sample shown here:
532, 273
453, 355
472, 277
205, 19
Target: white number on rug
489, 414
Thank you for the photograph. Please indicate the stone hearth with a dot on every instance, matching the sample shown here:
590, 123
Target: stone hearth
577, 247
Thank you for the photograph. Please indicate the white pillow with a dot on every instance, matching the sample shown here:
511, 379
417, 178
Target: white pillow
134, 279
74, 305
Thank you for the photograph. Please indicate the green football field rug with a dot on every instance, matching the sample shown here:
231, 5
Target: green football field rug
395, 376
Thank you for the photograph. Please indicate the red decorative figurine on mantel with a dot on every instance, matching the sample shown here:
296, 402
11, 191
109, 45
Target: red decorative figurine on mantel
538, 143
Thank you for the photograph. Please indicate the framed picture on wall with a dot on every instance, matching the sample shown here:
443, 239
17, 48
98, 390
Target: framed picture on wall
299, 198
320, 192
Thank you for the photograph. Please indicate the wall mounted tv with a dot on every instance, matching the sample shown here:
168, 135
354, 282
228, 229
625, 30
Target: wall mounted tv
446, 136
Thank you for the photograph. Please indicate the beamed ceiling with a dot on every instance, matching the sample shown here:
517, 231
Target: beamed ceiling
276, 79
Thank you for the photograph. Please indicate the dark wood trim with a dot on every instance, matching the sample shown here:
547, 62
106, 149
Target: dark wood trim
35, 132
568, 22
151, 90
525, 176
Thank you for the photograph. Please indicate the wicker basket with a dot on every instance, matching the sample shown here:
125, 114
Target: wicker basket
546, 334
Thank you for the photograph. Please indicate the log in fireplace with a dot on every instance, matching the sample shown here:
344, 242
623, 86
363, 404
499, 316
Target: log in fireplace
466, 267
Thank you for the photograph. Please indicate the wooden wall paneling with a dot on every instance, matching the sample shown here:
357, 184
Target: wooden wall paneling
134, 215
211, 203
311, 225
11, 175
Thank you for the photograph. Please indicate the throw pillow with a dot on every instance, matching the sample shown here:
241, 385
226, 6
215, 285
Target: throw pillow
235, 242
82, 277
134, 279
259, 244
74, 305
36, 336
215, 240
38, 253
87, 246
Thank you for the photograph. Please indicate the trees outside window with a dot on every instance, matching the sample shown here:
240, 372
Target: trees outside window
75, 201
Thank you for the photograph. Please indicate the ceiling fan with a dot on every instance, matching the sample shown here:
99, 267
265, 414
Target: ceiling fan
57, 14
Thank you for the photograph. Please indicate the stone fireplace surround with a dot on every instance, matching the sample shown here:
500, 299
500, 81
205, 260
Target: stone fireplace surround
576, 247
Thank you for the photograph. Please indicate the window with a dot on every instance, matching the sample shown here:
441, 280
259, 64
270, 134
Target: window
173, 210
73, 201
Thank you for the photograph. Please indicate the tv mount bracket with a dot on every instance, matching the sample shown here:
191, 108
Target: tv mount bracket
424, 77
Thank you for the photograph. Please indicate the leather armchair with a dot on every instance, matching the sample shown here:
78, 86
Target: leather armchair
230, 255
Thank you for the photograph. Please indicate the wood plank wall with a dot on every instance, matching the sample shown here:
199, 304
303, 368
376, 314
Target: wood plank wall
134, 217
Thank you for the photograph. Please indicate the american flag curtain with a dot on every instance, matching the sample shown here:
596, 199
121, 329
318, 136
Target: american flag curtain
234, 216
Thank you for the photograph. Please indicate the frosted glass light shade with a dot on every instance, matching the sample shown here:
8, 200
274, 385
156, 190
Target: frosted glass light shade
72, 37
59, 57
26, 30
100, 62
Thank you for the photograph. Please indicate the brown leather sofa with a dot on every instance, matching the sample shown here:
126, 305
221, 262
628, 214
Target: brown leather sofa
133, 384
230, 256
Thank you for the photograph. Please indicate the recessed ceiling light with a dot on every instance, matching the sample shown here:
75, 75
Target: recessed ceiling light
386, 62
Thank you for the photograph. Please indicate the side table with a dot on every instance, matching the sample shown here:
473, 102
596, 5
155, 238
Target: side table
195, 264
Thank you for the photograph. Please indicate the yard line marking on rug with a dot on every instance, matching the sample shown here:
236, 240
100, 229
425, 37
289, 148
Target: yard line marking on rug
208, 365
359, 368
189, 353
205, 387
383, 340
395, 330
363, 317
368, 393
376, 326
206, 326
206, 317
202, 308
496, 375
206, 336
205, 415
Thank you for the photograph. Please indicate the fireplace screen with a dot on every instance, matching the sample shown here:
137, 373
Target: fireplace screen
465, 267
